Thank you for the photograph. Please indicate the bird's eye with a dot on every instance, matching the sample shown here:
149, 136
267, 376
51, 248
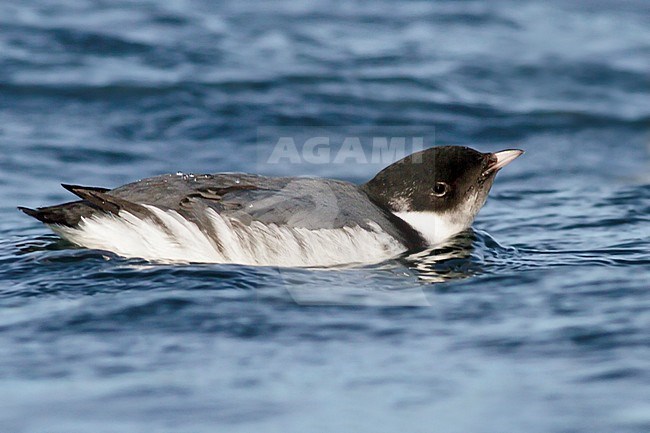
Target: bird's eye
440, 189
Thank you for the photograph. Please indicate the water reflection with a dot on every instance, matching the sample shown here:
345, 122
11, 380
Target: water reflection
450, 261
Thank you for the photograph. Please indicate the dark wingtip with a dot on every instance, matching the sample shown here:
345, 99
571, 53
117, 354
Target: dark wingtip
96, 196
34, 213
74, 188
28, 211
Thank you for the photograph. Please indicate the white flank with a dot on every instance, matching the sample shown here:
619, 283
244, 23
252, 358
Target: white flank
181, 240
434, 228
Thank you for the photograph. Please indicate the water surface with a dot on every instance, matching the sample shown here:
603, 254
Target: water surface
536, 321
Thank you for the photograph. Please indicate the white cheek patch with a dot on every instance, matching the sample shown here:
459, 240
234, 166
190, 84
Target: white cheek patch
180, 240
433, 227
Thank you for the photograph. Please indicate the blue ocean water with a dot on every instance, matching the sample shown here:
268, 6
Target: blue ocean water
538, 321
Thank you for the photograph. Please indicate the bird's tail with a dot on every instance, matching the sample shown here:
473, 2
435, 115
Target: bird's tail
94, 200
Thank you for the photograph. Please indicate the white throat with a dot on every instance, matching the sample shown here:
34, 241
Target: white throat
434, 227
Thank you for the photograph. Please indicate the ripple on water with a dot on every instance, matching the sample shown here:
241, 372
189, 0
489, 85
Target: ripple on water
534, 321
